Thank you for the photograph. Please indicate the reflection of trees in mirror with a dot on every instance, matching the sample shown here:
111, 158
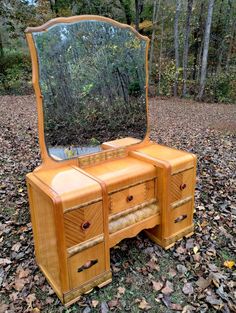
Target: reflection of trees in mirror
92, 78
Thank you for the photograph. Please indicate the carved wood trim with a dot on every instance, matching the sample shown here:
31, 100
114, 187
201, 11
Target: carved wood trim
85, 245
131, 210
133, 218
181, 202
80, 206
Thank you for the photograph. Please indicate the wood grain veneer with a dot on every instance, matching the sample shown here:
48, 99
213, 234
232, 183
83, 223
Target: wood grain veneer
74, 224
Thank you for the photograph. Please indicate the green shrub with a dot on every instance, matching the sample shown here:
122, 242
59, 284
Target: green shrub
15, 76
221, 88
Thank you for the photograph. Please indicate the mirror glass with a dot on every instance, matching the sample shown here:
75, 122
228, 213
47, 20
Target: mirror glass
92, 76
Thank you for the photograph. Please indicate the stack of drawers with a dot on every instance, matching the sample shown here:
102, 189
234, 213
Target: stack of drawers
181, 200
69, 228
175, 187
84, 237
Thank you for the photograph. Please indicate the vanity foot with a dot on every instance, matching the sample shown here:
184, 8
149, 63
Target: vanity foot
167, 243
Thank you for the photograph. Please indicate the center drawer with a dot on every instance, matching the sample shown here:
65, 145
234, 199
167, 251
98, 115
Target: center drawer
83, 223
132, 196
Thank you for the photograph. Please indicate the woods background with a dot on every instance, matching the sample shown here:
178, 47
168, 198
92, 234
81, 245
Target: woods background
193, 42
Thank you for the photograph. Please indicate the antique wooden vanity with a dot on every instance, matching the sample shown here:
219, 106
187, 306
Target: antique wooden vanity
101, 178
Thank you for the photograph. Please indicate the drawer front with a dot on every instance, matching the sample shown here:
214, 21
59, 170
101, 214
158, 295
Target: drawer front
181, 217
182, 185
86, 265
83, 224
130, 197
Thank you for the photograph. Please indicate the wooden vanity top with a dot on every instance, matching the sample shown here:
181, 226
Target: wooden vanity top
70, 184
121, 172
176, 159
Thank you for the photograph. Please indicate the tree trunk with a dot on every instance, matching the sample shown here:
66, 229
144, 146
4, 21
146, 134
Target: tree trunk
1, 47
138, 11
186, 46
198, 34
156, 7
205, 49
160, 58
231, 45
176, 37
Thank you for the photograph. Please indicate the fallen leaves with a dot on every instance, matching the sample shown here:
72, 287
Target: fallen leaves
188, 289
203, 283
229, 264
144, 305
140, 268
157, 285
168, 288
4, 261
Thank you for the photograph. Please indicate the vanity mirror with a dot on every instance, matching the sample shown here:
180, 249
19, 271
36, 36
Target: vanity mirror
101, 179
92, 76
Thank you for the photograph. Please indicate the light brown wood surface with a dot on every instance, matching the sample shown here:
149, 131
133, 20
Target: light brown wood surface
83, 224
96, 254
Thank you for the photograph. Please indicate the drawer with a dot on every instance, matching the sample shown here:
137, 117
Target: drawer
86, 265
83, 224
182, 185
132, 196
181, 217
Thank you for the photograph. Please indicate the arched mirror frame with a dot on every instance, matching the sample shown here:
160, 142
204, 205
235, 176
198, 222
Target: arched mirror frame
47, 160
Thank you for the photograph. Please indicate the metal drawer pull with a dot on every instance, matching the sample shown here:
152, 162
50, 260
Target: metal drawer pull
180, 218
87, 265
85, 225
182, 186
129, 198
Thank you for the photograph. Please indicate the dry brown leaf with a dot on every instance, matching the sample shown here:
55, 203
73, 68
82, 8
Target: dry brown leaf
113, 303
152, 265
3, 307
121, 290
188, 289
172, 273
203, 283
4, 261
19, 284
176, 307
168, 288
95, 303
180, 250
30, 299
157, 285
144, 305
16, 247
23, 273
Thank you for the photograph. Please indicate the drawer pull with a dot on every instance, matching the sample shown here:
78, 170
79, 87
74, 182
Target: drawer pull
182, 186
85, 225
87, 265
129, 198
180, 218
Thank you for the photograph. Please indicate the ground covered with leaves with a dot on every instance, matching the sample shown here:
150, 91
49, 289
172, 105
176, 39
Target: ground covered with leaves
196, 275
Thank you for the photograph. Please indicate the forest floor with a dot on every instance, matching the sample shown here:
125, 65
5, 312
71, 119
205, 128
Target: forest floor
196, 275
